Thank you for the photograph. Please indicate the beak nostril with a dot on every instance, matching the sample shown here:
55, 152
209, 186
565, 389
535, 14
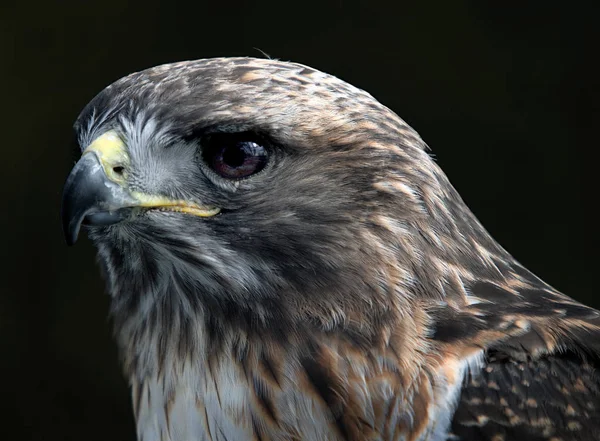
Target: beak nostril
119, 169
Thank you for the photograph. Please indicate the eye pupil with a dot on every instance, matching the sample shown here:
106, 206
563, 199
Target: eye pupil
234, 156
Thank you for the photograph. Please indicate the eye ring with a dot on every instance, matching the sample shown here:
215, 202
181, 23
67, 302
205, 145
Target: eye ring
234, 156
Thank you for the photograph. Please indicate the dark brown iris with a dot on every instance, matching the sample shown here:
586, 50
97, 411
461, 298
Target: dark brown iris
234, 156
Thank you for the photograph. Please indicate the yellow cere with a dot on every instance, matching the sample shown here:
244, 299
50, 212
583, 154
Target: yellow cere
112, 153
111, 150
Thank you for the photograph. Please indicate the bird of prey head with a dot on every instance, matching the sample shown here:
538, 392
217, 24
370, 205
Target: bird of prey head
286, 262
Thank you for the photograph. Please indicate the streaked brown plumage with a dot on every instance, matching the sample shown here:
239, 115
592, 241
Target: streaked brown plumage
343, 292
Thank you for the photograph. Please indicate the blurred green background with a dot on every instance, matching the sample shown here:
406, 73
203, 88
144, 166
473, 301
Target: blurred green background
507, 95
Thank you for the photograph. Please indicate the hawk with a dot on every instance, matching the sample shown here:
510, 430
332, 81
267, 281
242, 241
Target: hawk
286, 262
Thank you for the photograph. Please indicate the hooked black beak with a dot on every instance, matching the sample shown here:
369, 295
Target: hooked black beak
90, 197
96, 190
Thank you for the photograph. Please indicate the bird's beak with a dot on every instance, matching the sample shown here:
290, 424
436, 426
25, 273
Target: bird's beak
96, 192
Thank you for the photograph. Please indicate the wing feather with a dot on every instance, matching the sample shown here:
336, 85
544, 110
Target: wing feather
552, 398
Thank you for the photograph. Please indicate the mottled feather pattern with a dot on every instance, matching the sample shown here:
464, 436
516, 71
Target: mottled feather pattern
346, 292
550, 399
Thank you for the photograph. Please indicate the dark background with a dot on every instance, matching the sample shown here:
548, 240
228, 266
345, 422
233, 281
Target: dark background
507, 97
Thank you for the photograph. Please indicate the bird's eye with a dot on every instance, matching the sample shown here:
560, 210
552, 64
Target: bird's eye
234, 156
